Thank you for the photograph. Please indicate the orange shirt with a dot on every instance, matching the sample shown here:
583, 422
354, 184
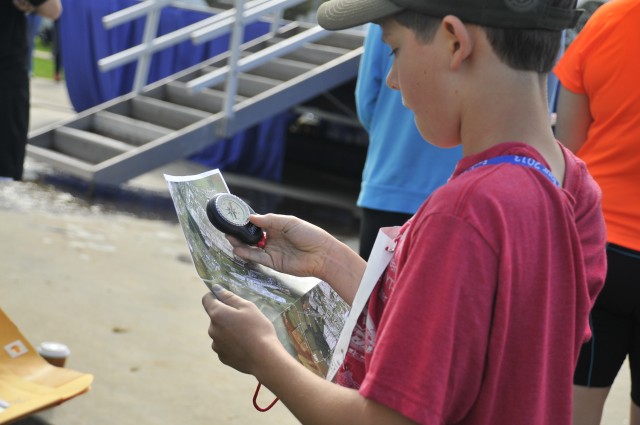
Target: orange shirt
603, 62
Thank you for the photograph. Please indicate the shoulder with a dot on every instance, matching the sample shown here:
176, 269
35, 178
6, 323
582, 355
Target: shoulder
493, 188
609, 22
580, 186
496, 199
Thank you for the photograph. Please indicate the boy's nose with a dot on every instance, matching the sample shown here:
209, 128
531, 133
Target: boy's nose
391, 81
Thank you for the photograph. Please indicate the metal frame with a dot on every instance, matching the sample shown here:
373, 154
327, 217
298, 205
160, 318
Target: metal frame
177, 129
233, 20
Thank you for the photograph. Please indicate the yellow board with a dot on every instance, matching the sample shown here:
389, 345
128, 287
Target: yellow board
28, 383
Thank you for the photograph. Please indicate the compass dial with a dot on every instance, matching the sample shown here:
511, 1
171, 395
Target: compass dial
233, 209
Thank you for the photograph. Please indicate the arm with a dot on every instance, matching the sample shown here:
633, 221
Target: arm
50, 9
245, 340
374, 65
573, 119
299, 248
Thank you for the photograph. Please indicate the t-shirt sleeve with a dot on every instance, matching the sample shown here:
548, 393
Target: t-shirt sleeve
431, 344
592, 42
569, 68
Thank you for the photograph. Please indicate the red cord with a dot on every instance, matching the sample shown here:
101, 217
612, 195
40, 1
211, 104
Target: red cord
255, 400
262, 241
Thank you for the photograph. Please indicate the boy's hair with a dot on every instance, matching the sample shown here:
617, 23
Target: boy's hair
521, 49
528, 49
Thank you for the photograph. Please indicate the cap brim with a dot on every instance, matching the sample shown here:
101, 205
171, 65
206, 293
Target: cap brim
341, 14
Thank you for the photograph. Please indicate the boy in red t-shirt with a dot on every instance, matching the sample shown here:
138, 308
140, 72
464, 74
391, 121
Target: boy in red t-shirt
480, 315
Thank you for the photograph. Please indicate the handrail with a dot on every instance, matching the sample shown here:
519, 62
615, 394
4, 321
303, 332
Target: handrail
167, 40
251, 13
256, 59
133, 12
234, 49
233, 20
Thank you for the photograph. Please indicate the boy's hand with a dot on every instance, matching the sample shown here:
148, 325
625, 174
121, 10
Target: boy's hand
293, 246
241, 334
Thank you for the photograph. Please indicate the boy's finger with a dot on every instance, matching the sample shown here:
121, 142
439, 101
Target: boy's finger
226, 297
258, 219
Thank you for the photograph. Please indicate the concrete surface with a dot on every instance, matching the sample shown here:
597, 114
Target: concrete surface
117, 285
111, 277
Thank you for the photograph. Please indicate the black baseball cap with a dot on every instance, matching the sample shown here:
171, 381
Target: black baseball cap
522, 14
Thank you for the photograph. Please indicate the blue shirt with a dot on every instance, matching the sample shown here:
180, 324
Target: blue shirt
401, 168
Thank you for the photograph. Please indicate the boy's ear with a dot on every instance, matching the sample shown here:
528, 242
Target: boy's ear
459, 40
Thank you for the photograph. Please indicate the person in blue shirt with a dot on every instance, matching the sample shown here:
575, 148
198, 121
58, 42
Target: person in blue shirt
401, 169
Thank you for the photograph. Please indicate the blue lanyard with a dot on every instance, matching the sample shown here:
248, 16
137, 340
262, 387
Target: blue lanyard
518, 160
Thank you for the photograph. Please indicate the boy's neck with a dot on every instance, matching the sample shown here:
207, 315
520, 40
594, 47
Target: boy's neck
517, 113
510, 106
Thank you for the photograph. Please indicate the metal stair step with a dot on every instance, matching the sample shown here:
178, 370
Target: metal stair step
282, 69
80, 168
252, 85
208, 100
126, 129
313, 53
86, 146
249, 85
159, 112
342, 39
348, 39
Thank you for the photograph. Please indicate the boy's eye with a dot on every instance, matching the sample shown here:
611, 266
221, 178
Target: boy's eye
393, 52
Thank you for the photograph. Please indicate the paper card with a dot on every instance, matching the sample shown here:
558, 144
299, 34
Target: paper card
28, 383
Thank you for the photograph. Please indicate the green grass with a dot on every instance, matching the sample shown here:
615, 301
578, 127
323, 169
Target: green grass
41, 46
43, 67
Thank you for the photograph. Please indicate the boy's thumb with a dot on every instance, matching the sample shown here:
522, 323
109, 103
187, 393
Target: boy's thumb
225, 296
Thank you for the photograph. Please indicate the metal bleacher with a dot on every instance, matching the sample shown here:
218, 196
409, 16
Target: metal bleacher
182, 114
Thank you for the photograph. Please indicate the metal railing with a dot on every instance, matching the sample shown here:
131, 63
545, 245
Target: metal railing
230, 21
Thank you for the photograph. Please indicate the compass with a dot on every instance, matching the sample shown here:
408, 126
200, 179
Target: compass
230, 214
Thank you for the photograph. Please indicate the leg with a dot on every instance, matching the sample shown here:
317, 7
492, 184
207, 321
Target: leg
14, 124
624, 268
600, 359
33, 25
57, 50
629, 265
634, 414
588, 404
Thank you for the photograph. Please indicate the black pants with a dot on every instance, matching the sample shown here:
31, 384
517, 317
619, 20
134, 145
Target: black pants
372, 221
615, 323
14, 124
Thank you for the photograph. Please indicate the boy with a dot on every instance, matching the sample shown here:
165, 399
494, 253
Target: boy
480, 315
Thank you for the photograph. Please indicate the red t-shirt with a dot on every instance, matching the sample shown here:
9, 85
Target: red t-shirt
482, 311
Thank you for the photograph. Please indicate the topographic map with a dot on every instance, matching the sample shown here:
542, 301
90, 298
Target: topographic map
307, 314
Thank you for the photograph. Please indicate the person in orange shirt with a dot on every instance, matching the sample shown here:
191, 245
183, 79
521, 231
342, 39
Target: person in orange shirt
599, 119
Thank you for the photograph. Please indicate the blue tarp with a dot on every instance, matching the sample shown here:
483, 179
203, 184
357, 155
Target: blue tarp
258, 151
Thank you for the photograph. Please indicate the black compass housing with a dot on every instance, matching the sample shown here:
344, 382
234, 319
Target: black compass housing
239, 225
